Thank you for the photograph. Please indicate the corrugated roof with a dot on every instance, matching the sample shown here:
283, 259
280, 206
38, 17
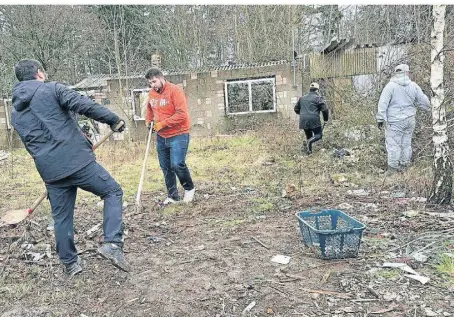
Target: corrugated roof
97, 81
207, 69
93, 81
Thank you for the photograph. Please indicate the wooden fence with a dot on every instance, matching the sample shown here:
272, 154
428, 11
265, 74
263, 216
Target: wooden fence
342, 64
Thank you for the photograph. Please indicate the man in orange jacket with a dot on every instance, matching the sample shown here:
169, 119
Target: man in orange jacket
166, 108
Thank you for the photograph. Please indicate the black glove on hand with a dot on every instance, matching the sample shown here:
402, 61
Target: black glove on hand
150, 125
380, 124
116, 128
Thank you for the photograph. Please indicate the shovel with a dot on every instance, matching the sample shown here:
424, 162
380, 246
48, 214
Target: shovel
13, 217
141, 180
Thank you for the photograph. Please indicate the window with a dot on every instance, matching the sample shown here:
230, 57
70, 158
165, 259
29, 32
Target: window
138, 98
250, 96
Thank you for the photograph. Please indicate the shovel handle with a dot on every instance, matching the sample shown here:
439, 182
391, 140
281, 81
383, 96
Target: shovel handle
144, 164
37, 202
107, 135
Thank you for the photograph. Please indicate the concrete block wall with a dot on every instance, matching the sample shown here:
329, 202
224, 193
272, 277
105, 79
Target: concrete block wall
206, 97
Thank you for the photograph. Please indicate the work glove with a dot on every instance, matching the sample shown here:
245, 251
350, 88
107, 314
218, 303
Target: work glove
380, 124
116, 128
157, 126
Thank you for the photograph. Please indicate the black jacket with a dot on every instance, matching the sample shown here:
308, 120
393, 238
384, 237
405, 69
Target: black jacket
43, 116
309, 107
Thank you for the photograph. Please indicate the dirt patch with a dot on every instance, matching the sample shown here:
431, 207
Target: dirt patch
212, 258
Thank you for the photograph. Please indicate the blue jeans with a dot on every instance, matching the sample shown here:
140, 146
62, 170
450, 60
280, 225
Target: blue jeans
171, 155
62, 196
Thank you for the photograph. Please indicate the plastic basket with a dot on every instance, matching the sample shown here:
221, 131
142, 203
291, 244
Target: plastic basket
332, 233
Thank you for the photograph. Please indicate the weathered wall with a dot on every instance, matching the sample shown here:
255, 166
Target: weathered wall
206, 100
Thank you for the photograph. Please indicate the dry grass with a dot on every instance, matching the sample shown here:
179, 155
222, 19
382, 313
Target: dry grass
267, 159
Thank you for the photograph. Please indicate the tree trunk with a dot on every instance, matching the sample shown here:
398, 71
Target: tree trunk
441, 192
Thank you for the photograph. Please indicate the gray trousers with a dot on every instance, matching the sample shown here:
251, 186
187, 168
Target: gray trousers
62, 197
398, 137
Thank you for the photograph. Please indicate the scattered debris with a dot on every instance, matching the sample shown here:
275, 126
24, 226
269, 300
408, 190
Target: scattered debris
339, 153
420, 257
324, 292
397, 195
411, 213
33, 256
369, 206
407, 268
401, 266
289, 191
90, 233
4, 155
326, 277
281, 259
349, 310
260, 242
441, 214
372, 291
382, 311
248, 308
358, 192
430, 313
418, 199
344, 206
155, 239
420, 278
50, 225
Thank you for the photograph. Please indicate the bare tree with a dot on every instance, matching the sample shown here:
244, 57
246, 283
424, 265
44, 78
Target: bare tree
441, 191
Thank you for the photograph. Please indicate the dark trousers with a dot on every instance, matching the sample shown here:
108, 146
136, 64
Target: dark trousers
313, 135
62, 197
171, 155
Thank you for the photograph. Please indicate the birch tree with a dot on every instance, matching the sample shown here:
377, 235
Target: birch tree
441, 192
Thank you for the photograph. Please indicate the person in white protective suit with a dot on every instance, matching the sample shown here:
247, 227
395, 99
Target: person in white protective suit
397, 109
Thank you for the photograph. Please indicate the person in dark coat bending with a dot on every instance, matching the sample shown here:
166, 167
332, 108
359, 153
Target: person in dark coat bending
44, 118
309, 107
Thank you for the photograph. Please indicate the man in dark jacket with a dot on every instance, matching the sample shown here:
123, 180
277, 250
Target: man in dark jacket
309, 107
44, 118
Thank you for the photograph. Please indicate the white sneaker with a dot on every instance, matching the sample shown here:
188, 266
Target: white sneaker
168, 201
189, 195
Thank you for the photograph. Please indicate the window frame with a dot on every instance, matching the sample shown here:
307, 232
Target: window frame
250, 102
141, 90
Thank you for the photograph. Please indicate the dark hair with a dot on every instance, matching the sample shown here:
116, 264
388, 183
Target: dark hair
153, 72
313, 89
26, 69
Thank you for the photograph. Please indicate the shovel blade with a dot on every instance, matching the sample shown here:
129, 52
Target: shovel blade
13, 217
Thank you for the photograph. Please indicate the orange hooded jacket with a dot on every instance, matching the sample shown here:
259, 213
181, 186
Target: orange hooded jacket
169, 108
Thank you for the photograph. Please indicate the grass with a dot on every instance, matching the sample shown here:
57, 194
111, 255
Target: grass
229, 223
444, 267
260, 205
388, 273
17, 290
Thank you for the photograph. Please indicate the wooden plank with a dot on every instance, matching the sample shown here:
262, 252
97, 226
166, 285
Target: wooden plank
341, 64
